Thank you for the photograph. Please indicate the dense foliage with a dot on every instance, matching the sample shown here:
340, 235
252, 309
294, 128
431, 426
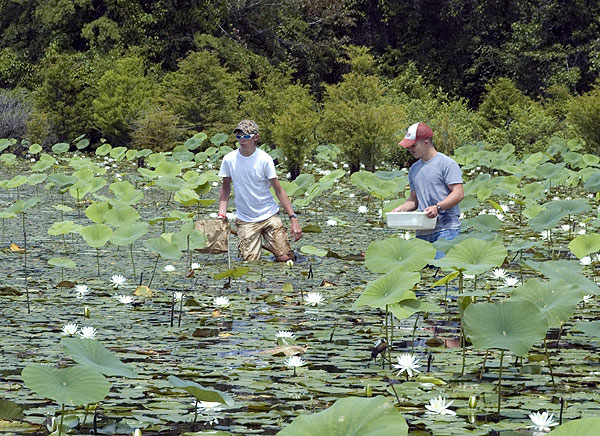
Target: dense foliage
496, 72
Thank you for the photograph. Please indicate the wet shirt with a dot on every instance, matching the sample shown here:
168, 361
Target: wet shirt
250, 175
429, 180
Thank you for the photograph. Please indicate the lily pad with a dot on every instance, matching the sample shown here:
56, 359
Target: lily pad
92, 353
199, 392
351, 417
412, 255
389, 289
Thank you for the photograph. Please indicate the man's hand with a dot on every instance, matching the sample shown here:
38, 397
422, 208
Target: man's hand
431, 211
295, 229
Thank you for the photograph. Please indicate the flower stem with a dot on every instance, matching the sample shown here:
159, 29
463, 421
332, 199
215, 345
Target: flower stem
500, 380
62, 417
549, 364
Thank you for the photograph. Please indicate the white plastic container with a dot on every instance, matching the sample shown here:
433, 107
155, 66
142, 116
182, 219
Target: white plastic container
410, 221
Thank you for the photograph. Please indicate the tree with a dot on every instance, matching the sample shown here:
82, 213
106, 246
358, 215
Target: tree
294, 128
358, 116
123, 93
583, 115
203, 93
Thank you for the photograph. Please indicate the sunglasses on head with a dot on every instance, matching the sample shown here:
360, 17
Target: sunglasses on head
244, 136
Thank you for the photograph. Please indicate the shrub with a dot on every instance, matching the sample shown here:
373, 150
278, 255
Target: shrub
123, 93
15, 111
583, 116
157, 130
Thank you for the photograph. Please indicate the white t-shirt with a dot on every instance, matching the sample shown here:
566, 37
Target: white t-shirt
250, 175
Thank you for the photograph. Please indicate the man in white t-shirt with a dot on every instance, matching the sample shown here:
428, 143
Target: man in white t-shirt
253, 172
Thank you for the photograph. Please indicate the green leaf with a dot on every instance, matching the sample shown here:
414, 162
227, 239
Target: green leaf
583, 245
578, 427
590, 328
129, 233
96, 235
199, 392
412, 255
73, 386
507, 325
62, 262
313, 251
60, 148
166, 249
9, 410
391, 288
353, 416
92, 353
474, 256
233, 272
556, 299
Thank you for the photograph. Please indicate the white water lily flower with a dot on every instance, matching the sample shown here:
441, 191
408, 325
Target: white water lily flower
565, 227
313, 298
231, 216
195, 265
499, 273
504, 207
69, 329
294, 362
290, 263
82, 290
363, 209
542, 421
213, 215
597, 257
137, 432
284, 334
178, 296
438, 405
406, 236
169, 268
124, 299
585, 261
408, 363
469, 276
118, 280
332, 223
545, 234
587, 298
510, 281
221, 301
581, 232
351, 195
500, 216
209, 405
87, 332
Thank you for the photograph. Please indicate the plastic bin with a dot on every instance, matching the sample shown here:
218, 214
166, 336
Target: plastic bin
410, 221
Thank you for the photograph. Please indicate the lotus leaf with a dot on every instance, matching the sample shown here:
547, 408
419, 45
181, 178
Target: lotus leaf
412, 255
507, 325
351, 417
391, 288
474, 256
583, 245
578, 427
73, 386
96, 235
556, 298
199, 392
92, 353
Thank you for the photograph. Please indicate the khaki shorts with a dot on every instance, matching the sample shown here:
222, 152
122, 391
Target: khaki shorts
272, 231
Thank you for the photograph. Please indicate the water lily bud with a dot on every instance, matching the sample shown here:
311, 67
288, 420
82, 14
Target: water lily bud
369, 390
86, 311
137, 432
290, 263
472, 402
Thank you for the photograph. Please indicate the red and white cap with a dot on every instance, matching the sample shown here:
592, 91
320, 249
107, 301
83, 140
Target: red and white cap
415, 133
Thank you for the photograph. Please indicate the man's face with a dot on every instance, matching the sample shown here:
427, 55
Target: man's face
418, 149
246, 140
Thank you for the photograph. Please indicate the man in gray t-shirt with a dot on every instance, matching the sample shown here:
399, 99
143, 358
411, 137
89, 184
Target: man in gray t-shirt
436, 185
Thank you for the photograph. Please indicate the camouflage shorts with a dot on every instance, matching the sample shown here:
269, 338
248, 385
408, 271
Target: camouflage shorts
272, 232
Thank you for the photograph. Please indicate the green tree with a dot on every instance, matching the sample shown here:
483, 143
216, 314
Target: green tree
583, 115
358, 116
157, 129
294, 128
203, 93
123, 93
65, 96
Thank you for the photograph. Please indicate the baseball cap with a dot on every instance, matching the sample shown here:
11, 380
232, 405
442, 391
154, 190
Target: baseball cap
247, 127
415, 133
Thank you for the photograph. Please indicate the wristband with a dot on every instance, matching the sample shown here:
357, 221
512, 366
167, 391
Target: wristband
293, 216
221, 216
439, 208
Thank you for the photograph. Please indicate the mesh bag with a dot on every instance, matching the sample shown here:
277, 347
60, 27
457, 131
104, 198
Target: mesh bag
216, 232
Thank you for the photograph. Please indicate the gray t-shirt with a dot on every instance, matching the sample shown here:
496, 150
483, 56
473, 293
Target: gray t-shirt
430, 180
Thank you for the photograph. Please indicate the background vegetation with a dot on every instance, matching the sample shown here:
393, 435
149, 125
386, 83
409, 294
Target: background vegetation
352, 73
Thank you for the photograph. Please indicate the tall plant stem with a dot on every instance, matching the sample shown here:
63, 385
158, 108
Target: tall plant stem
87, 410
549, 364
62, 417
395, 393
25, 270
154, 270
460, 282
500, 381
413, 332
391, 343
463, 344
98, 260
483, 365
132, 261
387, 335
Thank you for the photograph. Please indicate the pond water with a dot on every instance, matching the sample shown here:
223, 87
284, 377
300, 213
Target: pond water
232, 351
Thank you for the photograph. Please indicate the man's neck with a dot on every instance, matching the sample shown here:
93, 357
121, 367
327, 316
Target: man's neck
247, 151
429, 155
